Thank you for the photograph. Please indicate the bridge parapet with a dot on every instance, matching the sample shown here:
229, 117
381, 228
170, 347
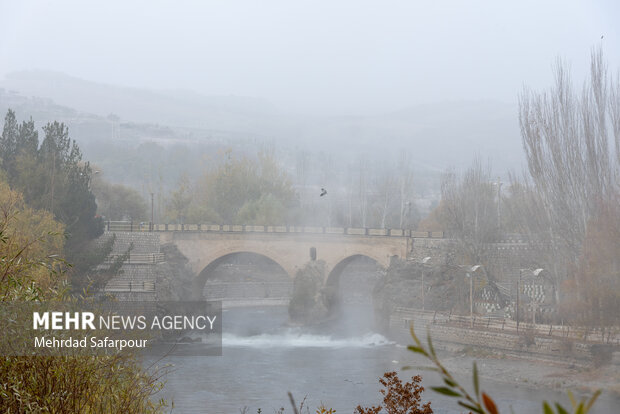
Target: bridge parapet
238, 228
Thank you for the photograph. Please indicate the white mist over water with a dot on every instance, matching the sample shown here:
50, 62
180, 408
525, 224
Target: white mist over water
296, 339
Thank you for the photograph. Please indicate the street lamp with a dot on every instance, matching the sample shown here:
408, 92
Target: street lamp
471, 293
424, 262
535, 273
499, 201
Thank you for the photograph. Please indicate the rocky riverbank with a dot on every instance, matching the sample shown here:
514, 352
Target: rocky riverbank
533, 371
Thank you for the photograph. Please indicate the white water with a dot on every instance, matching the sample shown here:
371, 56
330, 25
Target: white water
296, 339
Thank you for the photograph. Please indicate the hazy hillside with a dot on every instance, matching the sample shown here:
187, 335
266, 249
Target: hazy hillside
174, 108
437, 135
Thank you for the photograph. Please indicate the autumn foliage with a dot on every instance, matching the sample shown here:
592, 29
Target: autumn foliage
597, 279
399, 398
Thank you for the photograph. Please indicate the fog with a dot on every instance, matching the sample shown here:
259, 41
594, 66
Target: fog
331, 172
327, 58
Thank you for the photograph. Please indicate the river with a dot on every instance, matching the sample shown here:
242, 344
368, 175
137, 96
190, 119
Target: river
339, 366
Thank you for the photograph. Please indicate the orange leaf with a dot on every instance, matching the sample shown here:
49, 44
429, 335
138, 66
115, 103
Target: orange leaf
489, 404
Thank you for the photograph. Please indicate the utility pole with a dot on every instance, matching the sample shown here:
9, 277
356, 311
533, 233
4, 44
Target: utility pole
471, 300
424, 262
53, 175
518, 294
470, 274
152, 213
499, 203
535, 273
422, 289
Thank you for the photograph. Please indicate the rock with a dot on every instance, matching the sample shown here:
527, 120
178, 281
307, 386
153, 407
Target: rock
174, 278
311, 300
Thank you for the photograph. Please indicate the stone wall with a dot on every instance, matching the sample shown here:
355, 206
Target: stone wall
143, 242
136, 281
425, 247
526, 341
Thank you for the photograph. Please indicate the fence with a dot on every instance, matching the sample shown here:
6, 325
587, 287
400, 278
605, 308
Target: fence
131, 226
248, 290
130, 286
137, 258
490, 323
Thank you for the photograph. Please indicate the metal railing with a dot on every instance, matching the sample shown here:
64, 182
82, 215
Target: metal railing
130, 286
248, 290
138, 258
130, 226
579, 333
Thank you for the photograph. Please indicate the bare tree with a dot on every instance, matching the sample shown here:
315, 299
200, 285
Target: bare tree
571, 159
467, 211
363, 191
405, 174
385, 192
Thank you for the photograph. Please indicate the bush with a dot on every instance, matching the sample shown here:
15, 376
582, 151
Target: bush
31, 269
103, 384
399, 398
601, 355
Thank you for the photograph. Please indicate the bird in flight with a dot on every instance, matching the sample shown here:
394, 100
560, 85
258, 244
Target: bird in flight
323, 192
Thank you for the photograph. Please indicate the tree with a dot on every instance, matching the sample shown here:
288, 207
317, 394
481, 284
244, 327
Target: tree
467, 211
30, 244
179, 202
31, 269
407, 216
244, 191
52, 177
69, 194
362, 201
573, 160
118, 202
8, 142
597, 303
386, 192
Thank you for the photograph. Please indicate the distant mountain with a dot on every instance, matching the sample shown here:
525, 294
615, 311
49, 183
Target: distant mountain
173, 108
437, 135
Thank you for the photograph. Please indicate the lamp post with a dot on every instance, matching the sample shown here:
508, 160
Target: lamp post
471, 293
424, 262
499, 201
535, 273
152, 213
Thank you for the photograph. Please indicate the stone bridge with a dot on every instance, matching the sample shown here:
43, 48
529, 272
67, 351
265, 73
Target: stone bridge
206, 246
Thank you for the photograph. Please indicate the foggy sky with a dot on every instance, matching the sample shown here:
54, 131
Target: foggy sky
324, 57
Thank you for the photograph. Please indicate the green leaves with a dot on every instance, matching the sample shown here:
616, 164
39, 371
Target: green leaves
417, 349
581, 407
446, 391
475, 379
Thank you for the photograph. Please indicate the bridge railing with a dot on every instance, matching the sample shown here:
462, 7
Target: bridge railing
238, 228
137, 258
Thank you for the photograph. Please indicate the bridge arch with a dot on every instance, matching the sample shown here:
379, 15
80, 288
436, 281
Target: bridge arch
335, 271
202, 277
